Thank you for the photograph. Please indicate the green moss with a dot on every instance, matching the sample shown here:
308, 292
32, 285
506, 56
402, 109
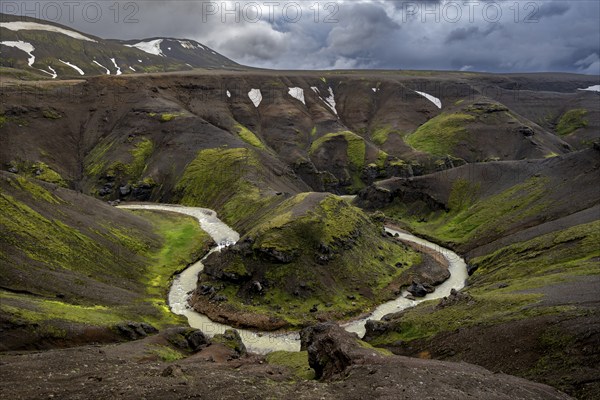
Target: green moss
295, 361
3, 120
248, 136
551, 155
165, 353
313, 131
355, 151
167, 117
440, 135
425, 321
51, 114
382, 157
359, 257
380, 135
546, 260
571, 121
94, 161
220, 179
35, 190
41, 310
141, 152
43, 172
470, 217
380, 351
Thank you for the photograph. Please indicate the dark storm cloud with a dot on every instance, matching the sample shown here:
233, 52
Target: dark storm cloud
553, 8
461, 34
485, 35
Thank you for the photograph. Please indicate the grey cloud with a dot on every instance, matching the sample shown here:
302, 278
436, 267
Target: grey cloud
376, 34
552, 8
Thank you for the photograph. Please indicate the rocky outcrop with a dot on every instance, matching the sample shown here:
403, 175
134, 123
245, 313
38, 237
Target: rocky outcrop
331, 349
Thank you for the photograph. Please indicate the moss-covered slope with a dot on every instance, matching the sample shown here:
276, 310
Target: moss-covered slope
313, 257
70, 263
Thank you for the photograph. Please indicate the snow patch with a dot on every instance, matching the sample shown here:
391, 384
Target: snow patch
375, 90
213, 52
256, 96
131, 68
140, 61
53, 74
329, 101
24, 46
297, 93
595, 88
228, 94
151, 47
116, 66
100, 65
429, 97
75, 67
168, 48
34, 26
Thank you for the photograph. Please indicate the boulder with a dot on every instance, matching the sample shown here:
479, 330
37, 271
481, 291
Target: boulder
134, 330
419, 289
232, 340
332, 350
375, 329
455, 297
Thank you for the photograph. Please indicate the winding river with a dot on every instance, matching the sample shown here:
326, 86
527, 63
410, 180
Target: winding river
264, 342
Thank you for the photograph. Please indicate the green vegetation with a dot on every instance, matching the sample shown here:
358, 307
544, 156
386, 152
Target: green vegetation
440, 135
546, 260
380, 135
3, 120
141, 153
44, 173
167, 117
184, 243
571, 121
295, 361
51, 114
35, 190
166, 353
220, 179
248, 136
355, 151
470, 217
358, 262
94, 163
99, 253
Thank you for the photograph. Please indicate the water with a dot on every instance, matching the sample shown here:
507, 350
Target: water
265, 342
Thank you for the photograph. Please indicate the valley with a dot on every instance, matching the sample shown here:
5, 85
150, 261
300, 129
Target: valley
203, 227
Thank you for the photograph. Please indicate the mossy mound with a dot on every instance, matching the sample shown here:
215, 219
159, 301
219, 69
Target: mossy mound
440, 135
313, 257
571, 121
227, 180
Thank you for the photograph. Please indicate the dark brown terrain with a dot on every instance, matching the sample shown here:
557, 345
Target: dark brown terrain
505, 173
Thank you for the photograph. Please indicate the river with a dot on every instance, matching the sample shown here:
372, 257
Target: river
265, 342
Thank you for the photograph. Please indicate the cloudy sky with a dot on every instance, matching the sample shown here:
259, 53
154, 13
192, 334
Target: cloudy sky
478, 35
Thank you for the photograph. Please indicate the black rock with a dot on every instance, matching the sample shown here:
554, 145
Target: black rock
197, 339
125, 190
374, 329
472, 268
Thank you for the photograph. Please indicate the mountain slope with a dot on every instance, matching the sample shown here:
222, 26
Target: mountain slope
58, 52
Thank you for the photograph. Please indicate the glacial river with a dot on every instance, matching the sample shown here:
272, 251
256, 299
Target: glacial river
265, 342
